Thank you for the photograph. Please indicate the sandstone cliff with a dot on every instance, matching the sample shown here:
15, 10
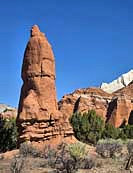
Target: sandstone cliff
83, 100
115, 108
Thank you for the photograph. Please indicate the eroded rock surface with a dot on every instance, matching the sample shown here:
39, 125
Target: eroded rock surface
38, 117
83, 100
116, 108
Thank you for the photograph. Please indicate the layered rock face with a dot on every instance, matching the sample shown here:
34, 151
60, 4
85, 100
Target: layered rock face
116, 108
38, 117
119, 83
83, 100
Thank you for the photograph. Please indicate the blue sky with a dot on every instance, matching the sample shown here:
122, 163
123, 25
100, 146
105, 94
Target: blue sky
92, 41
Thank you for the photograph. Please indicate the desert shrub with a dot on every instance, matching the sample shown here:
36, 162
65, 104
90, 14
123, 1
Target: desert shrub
111, 132
64, 162
88, 162
17, 164
50, 155
77, 150
109, 148
130, 147
64, 159
68, 158
122, 135
128, 131
59, 159
28, 150
8, 134
88, 127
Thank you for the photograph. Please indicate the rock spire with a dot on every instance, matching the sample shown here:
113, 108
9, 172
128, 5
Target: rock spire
38, 117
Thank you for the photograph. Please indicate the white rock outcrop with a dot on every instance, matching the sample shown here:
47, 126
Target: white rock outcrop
7, 111
5, 108
119, 83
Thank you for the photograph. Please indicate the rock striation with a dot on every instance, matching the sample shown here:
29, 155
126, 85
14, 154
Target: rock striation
119, 83
83, 100
116, 108
38, 119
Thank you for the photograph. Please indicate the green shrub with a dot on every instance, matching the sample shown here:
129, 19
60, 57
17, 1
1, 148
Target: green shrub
8, 134
128, 131
80, 155
122, 135
77, 150
111, 132
88, 127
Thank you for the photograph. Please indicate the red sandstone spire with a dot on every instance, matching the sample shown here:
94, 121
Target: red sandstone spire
38, 117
